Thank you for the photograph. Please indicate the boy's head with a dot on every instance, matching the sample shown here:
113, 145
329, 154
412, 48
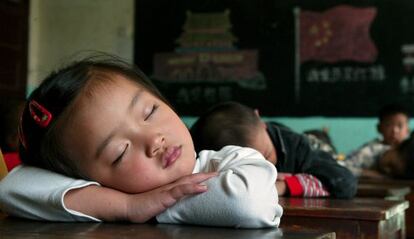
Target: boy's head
399, 160
393, 124
232, 123
103, 120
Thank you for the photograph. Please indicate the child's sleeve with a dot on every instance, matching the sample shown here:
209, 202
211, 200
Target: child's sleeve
35, 193
305, 185
338, 180
242, 195
365, 157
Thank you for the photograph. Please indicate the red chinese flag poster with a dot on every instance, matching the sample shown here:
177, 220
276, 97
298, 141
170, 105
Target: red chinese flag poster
340, 33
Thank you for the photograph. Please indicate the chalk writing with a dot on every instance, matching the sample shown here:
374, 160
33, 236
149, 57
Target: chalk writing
374, 73
204, 94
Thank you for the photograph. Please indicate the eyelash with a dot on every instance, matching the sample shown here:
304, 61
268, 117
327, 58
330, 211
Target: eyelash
119, 158
154, 108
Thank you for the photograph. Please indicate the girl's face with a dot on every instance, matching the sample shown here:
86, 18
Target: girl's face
125, 138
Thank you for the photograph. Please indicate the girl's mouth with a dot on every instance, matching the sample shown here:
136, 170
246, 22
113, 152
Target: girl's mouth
171, 155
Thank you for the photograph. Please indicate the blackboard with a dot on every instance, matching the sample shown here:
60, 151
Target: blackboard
286, 58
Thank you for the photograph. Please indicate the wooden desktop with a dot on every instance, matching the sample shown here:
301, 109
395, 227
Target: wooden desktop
27, 229
356, 218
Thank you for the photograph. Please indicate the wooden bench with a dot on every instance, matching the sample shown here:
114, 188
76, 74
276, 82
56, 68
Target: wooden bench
409, 214
20, 228
357, 218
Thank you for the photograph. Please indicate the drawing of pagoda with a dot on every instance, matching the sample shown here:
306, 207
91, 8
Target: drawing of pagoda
206, 32
206, 52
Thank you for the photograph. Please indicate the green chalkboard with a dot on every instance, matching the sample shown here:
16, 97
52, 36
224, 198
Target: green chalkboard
287, 58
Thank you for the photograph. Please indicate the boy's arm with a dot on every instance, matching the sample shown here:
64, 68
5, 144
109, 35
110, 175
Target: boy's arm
338, 180
39, 194
304, 185
301, 158
242, 195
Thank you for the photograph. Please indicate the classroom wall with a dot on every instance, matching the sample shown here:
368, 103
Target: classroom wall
60, 29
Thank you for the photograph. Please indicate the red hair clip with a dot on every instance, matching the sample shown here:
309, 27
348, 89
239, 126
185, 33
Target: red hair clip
40, 114
20, 132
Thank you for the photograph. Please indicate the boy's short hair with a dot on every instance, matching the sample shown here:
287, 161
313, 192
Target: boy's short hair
228, 123
392, 109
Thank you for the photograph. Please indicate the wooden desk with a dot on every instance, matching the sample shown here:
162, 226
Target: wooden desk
388, 192
409, 214
19, 228
357, 218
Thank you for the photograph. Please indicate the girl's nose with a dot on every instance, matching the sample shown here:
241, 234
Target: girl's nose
155, 145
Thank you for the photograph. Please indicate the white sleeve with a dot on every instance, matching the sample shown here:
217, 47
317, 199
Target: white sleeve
35, 193
243, 195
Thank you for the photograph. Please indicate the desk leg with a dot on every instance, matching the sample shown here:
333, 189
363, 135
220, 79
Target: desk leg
409, 215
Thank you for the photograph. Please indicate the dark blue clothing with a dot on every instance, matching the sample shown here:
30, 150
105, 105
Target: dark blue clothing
295, 155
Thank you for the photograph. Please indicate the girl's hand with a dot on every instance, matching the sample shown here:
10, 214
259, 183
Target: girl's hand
111, 205
282, 176
144, 206
281, 187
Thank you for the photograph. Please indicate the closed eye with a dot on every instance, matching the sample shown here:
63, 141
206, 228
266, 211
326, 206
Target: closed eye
121, 156
153, 109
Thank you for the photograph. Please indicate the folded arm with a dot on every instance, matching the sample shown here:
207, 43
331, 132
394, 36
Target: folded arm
39, 194
302, 185
242, 195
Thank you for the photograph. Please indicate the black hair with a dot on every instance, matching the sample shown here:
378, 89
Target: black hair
392, 109
10, 110
228, 123
41, 146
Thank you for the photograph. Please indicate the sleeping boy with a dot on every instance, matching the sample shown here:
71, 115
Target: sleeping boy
303, 171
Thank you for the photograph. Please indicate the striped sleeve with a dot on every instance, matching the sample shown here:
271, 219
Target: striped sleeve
306, 185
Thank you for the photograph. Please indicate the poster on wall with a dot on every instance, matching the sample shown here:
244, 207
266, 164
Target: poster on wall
205, 63
285, 58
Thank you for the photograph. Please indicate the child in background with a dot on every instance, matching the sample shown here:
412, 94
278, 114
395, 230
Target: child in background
120, 152
308, 172
393, 127
398, 162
